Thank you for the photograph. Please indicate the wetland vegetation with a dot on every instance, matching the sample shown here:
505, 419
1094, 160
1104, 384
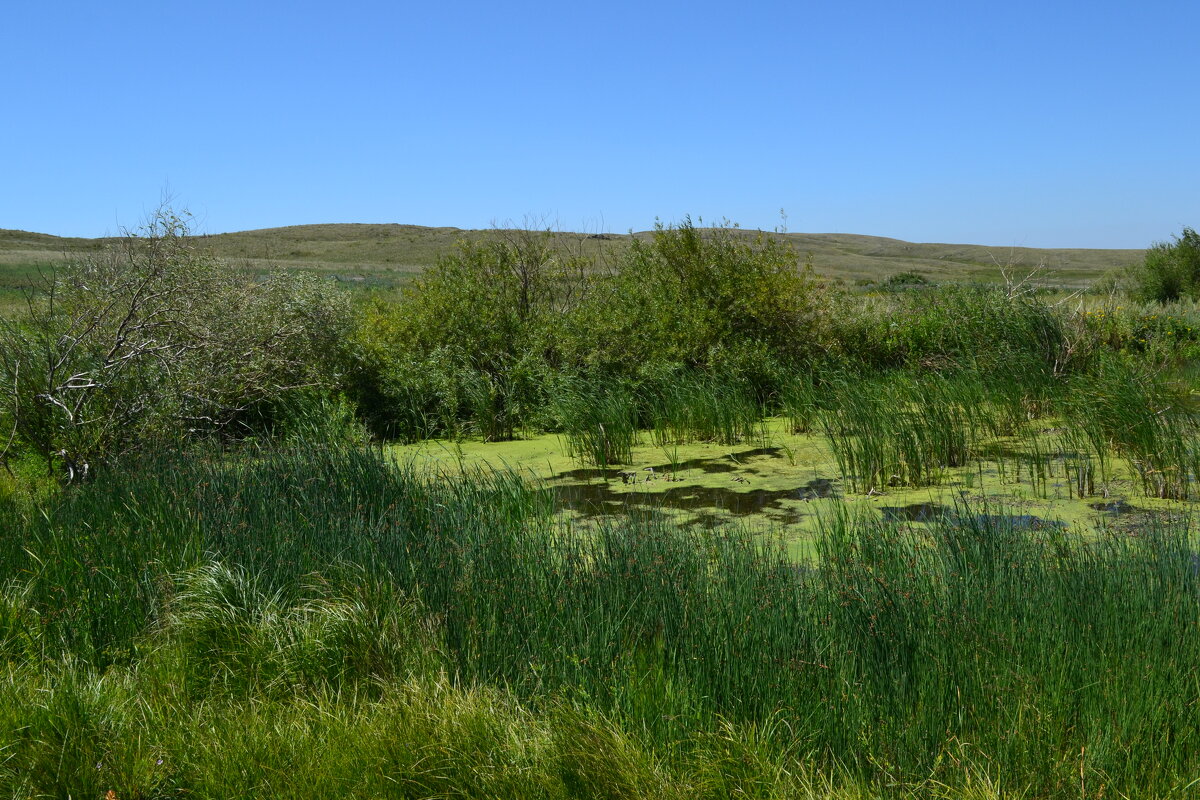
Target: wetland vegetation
689, 521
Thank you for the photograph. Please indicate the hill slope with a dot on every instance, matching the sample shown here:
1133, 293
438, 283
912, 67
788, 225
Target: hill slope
390, 254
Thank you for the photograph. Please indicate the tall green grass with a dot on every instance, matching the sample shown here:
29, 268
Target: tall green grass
976, 650
1124, 408
800, 400
691, 406
599, 420
899, 429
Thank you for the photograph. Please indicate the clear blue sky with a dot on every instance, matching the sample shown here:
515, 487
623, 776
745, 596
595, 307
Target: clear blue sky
1051, 124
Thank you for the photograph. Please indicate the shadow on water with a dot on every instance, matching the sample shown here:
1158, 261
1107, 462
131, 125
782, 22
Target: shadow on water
932, 512
917, 512
731, 462
589, 474
1018, 522
1115, 507
594, 499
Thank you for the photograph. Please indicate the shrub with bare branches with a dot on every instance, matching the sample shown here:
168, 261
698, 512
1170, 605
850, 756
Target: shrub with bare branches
152, 337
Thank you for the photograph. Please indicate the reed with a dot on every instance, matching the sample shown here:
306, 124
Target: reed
800, 400
897, 429
1086, 469
599, 422
332, 580
1123, 408
695, 407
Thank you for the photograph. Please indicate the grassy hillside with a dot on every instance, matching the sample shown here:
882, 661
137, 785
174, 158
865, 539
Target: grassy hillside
389, 255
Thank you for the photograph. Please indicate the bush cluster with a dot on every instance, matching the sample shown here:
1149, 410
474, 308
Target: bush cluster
490, 338
1170, 271
153, 338
479, 344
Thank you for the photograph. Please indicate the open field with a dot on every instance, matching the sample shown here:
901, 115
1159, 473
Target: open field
390, 255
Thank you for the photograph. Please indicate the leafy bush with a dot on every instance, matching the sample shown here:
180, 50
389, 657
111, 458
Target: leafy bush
1169, 271
469, 346
905, 280
686, 294
153, 337
493, 299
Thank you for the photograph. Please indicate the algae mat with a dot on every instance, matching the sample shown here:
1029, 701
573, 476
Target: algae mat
784, 483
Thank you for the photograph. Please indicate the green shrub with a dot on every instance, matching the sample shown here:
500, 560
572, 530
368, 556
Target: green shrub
152, 337
493, 300
905, 280
468, 349
947, 327
1169, 271
687, 294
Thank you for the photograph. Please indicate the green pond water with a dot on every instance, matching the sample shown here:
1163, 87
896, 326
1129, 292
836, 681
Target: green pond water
782, 483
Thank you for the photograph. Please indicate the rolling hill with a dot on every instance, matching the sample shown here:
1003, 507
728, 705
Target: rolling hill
389, 255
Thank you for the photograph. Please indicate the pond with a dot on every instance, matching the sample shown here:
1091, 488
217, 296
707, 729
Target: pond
784, 483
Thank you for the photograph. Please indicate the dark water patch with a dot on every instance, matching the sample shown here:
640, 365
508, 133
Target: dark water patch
710, 520
1018, 522
917, 512
594, 499
589, 474
705, 464
708, 466
932, 512
787, 518
1116, 507
818, 488
707, 521
726, 463
774, 452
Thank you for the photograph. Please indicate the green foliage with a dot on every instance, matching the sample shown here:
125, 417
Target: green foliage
1170, 271
467, 348
492, 299
153, 338
353, 626
1162, 335
688, 293
904, 280
480, 342
599, 420
977, 327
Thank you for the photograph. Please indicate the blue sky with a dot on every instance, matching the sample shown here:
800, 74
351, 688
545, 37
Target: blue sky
1044, 124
